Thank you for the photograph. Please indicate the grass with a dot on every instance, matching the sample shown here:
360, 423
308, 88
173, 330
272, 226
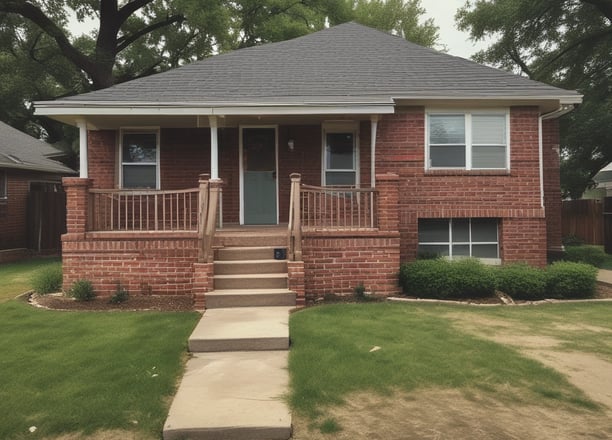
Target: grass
81, 372
16, 278
420, 347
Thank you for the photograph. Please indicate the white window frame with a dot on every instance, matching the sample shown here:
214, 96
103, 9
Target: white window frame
470, 242
340, 127
467, 114
3, 186
140, 130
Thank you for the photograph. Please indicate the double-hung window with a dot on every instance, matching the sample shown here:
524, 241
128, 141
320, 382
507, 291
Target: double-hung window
139, 159
460, 237
340, 158
3, 186
468, 140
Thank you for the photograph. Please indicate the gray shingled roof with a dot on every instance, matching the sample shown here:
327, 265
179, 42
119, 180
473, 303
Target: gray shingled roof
342, 63
21, 151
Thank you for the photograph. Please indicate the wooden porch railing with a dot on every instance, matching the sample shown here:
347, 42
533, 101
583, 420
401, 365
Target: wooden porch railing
295, 227
340, 208
146, 210
209, 200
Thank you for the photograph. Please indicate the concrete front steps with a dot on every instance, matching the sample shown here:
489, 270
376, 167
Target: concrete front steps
234, 383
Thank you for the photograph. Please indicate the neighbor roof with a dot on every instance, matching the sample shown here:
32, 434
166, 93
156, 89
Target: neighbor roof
21, 151
344, 64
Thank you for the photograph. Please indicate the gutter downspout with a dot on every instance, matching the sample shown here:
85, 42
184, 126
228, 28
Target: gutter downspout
562, 110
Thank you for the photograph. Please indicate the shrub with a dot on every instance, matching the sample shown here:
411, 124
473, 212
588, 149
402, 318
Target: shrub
447, 279
82, 290
572, 240
120, 295
567, 279
359, 292
521, 281
48, 280
593, 255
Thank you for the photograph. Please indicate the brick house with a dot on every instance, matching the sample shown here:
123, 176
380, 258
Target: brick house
27, 169
392, 148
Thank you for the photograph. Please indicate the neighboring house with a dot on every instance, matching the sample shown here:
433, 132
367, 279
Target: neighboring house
400, 150
26, 171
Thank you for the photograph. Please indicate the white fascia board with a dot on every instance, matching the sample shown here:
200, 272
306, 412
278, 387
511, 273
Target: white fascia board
563, 99
90, 109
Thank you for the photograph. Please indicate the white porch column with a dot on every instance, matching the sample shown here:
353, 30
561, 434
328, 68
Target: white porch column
373, 128
83, 162
214, 148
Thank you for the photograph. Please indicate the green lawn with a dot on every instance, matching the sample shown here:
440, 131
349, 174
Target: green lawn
15, 278
426, 346
81, 372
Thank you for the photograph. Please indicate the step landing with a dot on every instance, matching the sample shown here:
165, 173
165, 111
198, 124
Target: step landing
242, 329
232, 396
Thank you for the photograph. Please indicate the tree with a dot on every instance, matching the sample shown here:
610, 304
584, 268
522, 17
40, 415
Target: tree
566, 43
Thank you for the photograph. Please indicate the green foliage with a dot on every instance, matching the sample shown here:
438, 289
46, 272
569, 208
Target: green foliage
593, 255
359, 292
521, 281
121, 295
441, 278
48, 280
330, 426
572, 240
82, 290
565, 43
567, 280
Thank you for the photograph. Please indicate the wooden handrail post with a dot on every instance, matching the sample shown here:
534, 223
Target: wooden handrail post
202, 212
211, 218
296, 232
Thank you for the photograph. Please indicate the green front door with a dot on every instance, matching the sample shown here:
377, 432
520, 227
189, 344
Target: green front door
259, 176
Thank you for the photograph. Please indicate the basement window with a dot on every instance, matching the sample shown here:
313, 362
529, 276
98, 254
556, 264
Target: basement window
460, 238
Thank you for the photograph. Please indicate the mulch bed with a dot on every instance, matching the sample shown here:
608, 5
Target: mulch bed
137, 302
185, 304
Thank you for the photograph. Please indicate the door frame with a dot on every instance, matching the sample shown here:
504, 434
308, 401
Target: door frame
241, 165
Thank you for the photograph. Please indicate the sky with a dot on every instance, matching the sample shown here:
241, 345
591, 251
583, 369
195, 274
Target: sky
442, 11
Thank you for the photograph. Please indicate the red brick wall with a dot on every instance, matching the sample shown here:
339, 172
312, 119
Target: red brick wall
102, 163
440, 193
158, 266
552, 183
337, 263
13, 210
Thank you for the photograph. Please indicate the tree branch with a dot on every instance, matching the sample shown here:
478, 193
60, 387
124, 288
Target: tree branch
591, 38
125, 41
511, 51
38, 17
130, 7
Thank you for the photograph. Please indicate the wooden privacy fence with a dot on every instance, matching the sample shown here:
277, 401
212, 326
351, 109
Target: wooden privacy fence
583, 219
46, 219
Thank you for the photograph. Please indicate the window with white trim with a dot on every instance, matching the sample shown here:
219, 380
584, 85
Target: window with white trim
3, 186
139, 159
471, 141
460, 237
340, 158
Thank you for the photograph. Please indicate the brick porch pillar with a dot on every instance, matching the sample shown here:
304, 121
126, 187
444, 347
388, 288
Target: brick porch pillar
77, 204
387, 202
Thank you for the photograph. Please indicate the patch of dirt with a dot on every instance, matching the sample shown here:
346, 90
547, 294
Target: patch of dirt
137, 302
115, 434
451, 414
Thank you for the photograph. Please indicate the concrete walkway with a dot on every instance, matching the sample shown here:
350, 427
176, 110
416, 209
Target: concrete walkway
604, 276
236, 381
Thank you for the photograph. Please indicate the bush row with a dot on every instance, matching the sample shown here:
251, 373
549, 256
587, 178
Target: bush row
470, 278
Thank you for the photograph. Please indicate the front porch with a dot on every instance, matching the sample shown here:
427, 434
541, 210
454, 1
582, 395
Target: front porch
167, 242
